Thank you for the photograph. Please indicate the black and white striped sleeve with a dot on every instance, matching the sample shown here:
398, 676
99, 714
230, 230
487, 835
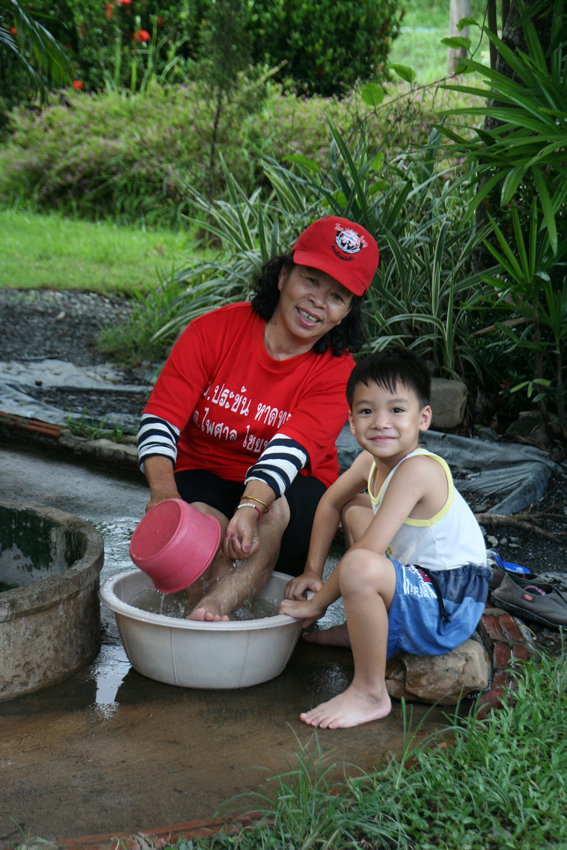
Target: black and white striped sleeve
156, 437
278, 464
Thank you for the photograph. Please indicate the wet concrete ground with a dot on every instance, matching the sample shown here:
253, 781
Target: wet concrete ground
111, 751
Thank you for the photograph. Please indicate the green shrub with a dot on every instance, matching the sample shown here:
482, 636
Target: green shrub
107, 154
323, 47
92, 32
326, 47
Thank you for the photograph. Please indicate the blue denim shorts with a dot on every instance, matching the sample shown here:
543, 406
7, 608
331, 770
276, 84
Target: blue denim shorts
434, 611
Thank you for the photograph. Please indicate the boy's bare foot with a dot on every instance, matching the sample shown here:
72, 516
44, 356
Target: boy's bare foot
351, 708
335, 636
208, 612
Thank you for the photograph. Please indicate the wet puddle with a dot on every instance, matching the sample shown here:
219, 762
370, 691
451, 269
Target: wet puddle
110, 678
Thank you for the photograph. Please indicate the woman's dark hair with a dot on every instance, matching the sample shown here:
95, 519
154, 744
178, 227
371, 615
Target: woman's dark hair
349, 334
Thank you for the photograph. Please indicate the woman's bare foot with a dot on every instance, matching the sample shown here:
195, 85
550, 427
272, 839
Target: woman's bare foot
335, 636
208, 612
351, 708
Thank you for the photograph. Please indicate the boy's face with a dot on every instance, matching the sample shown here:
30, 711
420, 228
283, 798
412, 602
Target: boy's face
387, 424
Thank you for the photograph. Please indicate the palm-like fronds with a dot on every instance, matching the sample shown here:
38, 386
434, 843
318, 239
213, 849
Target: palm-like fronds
34, 40
531, 136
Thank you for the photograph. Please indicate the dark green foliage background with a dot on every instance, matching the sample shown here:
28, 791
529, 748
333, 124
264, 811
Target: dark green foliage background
323, 47
326, 46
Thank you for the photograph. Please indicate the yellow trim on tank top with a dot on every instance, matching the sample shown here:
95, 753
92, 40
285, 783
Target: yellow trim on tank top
420, 523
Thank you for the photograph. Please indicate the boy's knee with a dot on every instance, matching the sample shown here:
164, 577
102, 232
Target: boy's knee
363, 570
360, 568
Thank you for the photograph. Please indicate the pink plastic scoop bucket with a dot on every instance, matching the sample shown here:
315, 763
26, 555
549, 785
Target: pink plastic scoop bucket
174, 544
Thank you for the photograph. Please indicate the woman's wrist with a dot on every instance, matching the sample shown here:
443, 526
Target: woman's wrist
245, 504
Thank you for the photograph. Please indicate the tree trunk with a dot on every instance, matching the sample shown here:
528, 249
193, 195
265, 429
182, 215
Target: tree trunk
459, 9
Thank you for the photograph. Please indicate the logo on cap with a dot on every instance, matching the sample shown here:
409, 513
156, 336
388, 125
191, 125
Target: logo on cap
349, 240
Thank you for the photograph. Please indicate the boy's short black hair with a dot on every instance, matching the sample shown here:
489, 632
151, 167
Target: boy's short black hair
389, 367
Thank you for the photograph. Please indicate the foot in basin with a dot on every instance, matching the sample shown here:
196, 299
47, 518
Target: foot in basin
208, 612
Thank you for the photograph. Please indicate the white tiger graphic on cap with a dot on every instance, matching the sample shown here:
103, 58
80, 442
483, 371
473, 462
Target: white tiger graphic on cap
349, 240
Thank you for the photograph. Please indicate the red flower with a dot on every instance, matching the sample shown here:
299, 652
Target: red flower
109, 11
78, 84
124, 2
14, 31
160, 21
142, 35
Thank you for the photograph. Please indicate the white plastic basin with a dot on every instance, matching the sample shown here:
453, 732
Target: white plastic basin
190, 654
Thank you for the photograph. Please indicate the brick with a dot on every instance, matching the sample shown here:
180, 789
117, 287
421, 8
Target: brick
500, 680
510, 628
490, 628
501, 654
520, 651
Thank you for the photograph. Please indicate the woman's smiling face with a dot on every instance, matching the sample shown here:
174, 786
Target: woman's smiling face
311, 304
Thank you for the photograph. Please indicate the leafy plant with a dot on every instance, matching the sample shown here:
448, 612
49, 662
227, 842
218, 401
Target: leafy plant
33, 47
525, 288
530, 135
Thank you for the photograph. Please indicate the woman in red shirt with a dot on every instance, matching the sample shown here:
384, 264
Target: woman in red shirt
243, 419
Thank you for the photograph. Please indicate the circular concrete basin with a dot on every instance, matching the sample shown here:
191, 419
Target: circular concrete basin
50, 562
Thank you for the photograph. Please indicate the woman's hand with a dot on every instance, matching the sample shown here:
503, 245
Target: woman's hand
305, 610
242, 538
295, 588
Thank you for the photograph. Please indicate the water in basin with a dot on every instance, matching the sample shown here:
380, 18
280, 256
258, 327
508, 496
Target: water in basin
177, 605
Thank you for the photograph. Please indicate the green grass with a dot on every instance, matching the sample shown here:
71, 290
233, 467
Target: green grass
501, 783
53, 252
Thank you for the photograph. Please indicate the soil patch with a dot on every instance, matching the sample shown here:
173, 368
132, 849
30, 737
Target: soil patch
94, 404
48, 324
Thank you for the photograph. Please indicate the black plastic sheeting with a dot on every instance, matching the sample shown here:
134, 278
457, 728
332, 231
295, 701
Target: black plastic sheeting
508, 475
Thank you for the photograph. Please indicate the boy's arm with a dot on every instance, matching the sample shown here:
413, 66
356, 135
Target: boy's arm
411, 482
326, 522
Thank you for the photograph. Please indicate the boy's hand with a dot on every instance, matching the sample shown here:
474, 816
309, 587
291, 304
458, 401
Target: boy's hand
295, 588
303, 610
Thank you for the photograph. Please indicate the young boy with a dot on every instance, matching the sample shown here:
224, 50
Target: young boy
414, 578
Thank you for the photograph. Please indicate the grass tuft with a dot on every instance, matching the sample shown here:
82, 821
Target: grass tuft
502, 784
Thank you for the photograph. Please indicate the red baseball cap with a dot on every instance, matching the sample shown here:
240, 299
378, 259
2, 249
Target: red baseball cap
341, 248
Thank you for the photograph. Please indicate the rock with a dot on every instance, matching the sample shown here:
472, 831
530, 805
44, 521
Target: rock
102, 449
442, 679
448, 402
530, 424
492, 541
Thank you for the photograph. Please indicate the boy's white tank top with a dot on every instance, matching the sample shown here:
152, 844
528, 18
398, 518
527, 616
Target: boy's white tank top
450, 539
